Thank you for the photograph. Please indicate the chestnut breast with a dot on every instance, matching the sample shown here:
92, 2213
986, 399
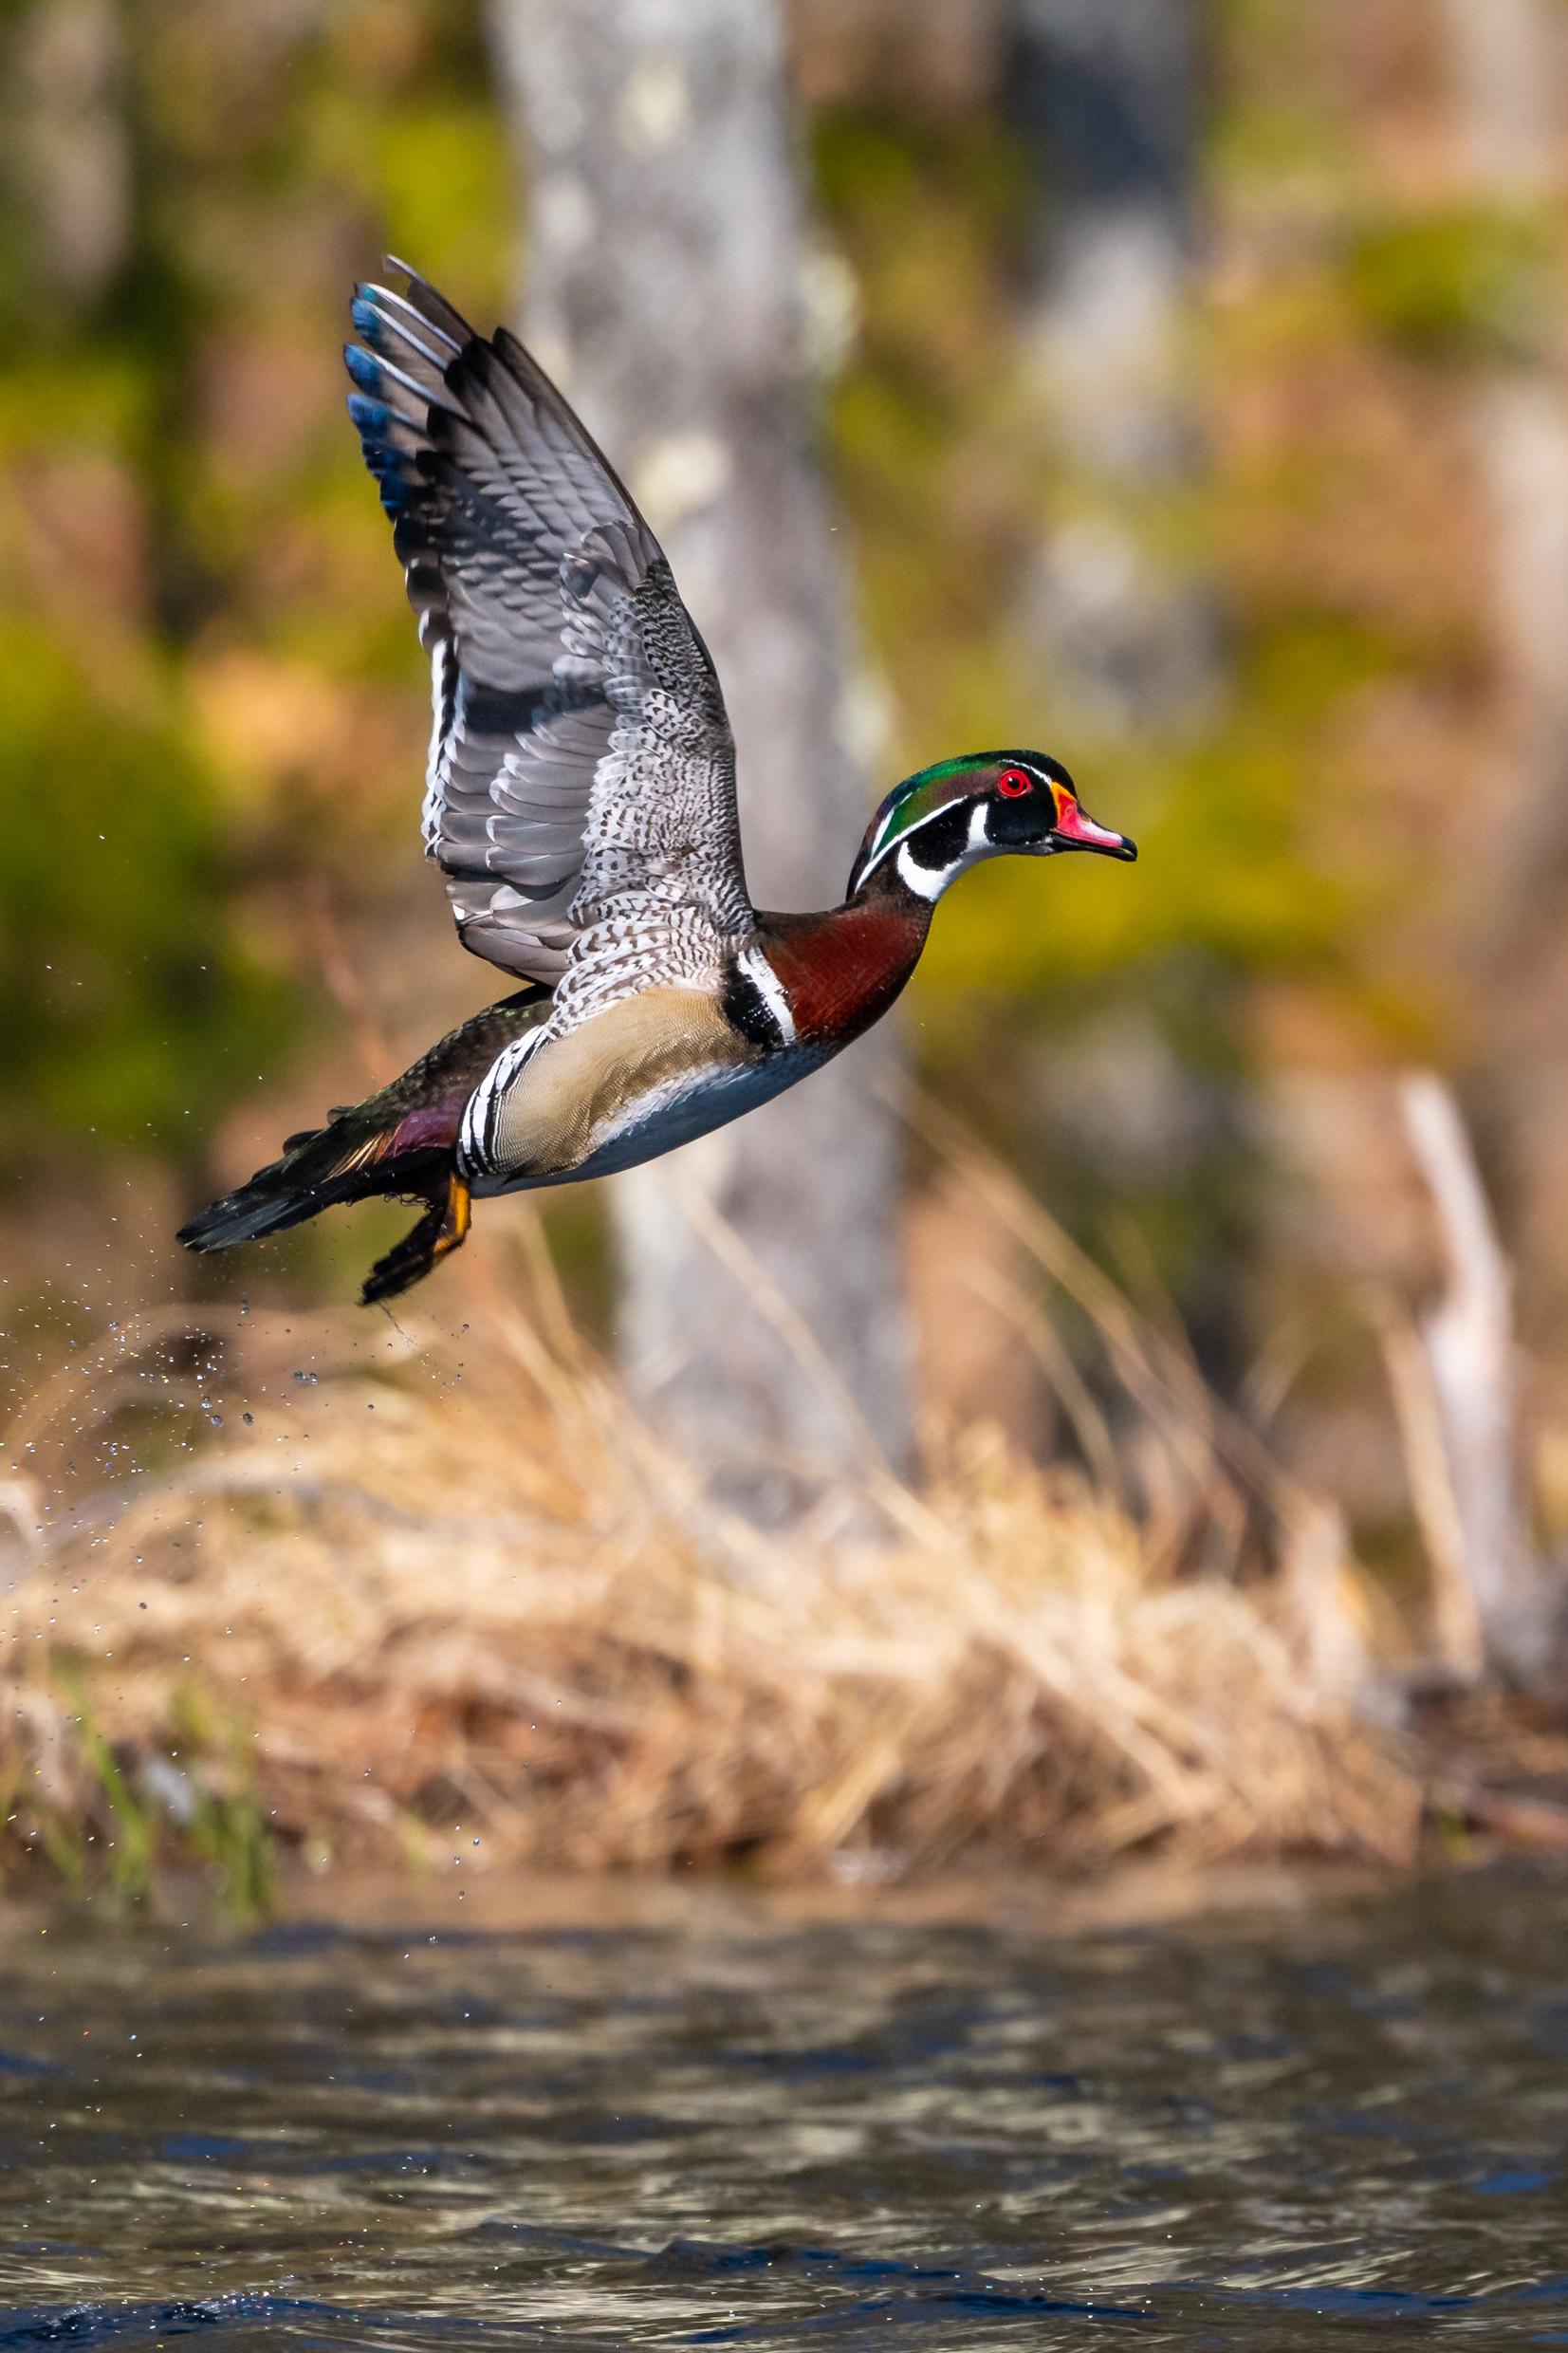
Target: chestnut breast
841, 970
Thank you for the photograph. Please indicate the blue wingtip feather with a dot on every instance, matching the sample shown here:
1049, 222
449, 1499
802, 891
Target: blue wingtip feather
370, 415
385, 464
366, 318
365, 370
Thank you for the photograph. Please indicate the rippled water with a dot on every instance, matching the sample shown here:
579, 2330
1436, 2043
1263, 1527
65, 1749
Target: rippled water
1337, 2124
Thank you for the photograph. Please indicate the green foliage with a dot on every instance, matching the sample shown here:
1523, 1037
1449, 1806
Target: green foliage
130, 1004
1263, 142
924, 436
432, 166
942, 468
132, 1845
198, 1807
224, 1826
186, 484
1461, 284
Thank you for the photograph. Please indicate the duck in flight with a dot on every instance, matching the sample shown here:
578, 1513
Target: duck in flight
581, 804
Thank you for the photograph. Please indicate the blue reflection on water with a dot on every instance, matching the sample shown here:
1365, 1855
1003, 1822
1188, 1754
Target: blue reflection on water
1352, 2118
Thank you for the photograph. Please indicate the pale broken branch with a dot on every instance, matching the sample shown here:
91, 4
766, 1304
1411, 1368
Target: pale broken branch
1478, 1536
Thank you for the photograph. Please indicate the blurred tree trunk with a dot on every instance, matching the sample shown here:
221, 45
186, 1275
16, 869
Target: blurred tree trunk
1106, 99
667, 268
1507, 60
1113, 610
69, 149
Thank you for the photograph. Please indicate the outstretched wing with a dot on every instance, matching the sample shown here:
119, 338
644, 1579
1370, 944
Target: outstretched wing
581, 770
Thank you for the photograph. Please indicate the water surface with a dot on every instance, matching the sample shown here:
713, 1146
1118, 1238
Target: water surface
1346, 2122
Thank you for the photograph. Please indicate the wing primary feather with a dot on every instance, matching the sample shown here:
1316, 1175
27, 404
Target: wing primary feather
381, 365
436, 317
375, 416
443, 316
379, 299
446, 319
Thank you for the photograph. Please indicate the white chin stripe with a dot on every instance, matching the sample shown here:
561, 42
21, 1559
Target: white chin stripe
770, 989
927, 882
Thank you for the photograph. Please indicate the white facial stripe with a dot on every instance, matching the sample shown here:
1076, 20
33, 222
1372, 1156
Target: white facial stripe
770, 989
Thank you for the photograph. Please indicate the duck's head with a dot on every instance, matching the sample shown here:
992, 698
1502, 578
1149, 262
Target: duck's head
987, 805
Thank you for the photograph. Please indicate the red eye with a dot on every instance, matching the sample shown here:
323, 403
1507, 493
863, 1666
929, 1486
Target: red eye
1012, 782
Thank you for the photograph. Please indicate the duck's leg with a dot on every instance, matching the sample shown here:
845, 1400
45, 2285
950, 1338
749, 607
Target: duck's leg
442, 1229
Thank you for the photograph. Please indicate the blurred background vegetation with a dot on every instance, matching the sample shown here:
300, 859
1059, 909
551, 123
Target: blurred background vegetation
1347, 781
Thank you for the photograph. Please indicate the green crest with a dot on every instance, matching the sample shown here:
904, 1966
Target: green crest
913, 804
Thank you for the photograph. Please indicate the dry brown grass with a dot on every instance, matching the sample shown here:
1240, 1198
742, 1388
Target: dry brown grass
441, 1593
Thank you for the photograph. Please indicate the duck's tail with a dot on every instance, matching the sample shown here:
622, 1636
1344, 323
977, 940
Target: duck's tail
400, 1145
354, 1158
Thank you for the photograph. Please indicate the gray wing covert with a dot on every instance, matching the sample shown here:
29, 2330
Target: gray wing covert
581, 769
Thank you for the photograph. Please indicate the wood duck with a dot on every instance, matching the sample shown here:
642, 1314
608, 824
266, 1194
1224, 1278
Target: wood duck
581, 803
